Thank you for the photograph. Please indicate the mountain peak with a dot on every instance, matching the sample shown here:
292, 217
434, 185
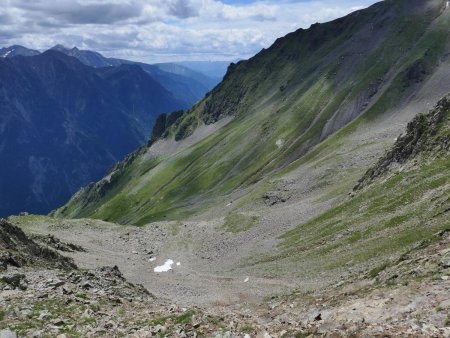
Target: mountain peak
59, 47
15, 47
64, 49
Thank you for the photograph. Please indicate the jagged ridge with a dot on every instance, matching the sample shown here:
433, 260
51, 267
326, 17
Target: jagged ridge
16, 249
428, 135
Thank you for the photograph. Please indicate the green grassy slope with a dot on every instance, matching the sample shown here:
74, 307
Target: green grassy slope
285, 100
405, 201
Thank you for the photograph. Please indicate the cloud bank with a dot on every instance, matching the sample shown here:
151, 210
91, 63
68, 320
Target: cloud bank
163, 30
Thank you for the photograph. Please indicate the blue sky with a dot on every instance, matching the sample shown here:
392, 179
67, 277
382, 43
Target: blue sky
163, 30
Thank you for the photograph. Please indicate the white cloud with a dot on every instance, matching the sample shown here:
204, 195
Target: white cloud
162, 30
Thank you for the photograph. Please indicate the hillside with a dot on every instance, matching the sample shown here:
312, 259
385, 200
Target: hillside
63, 124
370, 71
400, 204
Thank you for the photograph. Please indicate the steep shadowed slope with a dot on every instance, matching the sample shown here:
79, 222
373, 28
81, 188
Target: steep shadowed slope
356, 70
62, 124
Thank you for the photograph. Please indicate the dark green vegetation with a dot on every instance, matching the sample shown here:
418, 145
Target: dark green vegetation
284, 101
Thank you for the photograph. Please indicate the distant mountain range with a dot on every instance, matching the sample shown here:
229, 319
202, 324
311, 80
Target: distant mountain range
188, 81
213, 69
187, 85
63, 123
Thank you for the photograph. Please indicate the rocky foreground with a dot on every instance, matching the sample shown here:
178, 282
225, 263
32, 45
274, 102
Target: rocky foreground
43, 294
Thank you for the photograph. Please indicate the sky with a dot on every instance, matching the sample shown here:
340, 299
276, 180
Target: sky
163, 30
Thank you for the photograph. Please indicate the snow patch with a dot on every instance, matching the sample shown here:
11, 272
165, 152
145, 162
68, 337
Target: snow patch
7, 53
279, 143
165, 267
246, 280
178, 263
152, 259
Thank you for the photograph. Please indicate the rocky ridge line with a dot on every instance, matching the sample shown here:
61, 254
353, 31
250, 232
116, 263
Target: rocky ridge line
17, 250
426, 135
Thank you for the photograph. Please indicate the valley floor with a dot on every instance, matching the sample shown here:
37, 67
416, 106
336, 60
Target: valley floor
199, 278
409, 297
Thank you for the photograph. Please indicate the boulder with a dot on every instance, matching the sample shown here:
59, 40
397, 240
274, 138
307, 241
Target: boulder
445, 261
14, 279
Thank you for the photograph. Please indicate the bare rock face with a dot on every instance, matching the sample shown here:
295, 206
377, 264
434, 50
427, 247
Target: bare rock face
57, 244
17, 249
109, 279
427, 134
274, 197
445, 261
16, 280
